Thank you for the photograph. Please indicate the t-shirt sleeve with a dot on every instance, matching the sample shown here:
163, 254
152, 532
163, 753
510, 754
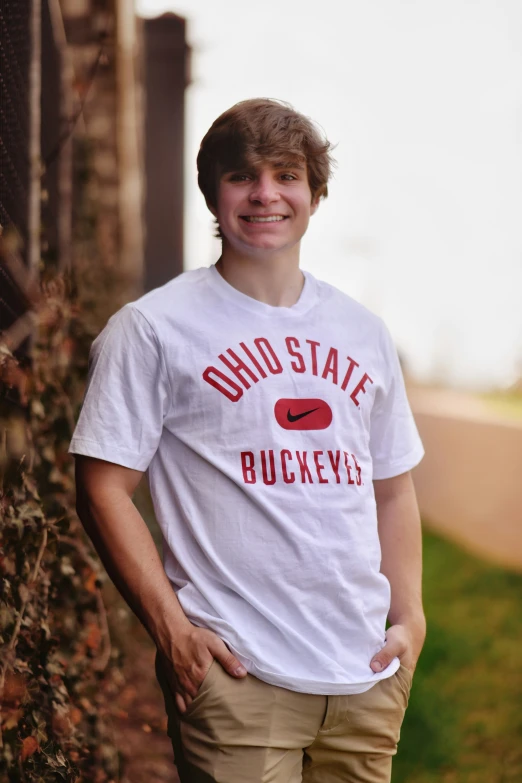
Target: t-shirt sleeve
395, 444
127, 394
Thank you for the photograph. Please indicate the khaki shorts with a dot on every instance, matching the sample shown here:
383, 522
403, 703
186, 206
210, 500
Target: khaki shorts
246, 731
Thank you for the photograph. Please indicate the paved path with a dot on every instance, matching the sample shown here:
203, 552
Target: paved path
469, 484
457, 404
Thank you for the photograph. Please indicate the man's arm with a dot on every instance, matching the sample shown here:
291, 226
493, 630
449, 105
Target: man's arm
104, 505
401, 546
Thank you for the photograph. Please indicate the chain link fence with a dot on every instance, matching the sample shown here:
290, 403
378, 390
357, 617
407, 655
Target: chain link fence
14, 138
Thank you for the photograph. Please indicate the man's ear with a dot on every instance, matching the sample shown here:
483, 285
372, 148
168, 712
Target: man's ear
315, 205
212, 209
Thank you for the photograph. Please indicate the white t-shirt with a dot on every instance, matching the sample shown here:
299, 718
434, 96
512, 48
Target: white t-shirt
261, 429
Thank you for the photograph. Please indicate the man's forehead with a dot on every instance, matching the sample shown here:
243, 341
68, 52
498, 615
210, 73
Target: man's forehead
287, 164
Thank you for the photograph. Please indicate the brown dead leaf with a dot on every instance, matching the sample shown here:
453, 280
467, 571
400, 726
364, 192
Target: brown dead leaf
90, 582
12, 719
93, 638
61, 722
29, 746
14, 688
76, 716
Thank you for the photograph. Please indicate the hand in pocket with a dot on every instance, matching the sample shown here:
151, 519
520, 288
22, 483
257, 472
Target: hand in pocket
188, 660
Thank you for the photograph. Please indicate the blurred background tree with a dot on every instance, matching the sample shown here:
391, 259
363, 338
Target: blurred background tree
72, 209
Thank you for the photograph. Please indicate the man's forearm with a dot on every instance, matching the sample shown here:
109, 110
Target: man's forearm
401, 547
127, 550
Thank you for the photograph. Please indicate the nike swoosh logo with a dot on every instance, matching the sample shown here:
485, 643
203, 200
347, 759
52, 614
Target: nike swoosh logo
299, 415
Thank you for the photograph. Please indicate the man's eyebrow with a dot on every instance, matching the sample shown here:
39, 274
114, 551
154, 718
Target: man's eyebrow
253, 169
288, 165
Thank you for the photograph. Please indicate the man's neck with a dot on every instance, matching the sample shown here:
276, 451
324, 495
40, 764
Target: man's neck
275, 280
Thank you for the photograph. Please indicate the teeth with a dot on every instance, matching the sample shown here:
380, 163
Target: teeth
271, 219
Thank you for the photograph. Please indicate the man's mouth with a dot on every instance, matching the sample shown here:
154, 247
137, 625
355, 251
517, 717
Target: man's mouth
262, 219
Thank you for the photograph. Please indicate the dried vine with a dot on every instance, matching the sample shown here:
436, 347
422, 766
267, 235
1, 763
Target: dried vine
58, 673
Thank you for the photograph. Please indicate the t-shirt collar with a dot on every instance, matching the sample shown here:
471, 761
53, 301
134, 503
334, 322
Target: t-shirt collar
306, 300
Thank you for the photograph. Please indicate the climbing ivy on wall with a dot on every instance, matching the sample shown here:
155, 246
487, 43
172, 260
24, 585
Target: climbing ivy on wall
58, 673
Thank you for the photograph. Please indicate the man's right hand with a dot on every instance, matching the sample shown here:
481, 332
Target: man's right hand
188, 660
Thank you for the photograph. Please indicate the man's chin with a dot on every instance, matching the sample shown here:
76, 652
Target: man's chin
260, 247
265, 251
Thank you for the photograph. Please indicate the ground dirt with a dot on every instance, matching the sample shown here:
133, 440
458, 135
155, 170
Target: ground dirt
139, 721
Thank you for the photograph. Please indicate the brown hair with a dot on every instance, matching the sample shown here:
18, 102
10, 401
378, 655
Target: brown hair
259, 130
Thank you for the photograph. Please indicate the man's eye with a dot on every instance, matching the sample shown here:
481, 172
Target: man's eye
288, 177
239, 177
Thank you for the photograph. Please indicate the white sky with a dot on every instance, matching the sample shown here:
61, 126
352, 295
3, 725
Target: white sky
424, 100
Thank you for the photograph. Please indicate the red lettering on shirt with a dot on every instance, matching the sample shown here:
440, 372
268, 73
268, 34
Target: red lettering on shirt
288, 478
234, 395
269, 355
330, 365
335, 464
319, 467
266, 478
349, 371
296, 367
360, 388
348, 468
305, 470
358, 469
253, 359
278, 463
313, 349
263, 362
247, 465
238, 368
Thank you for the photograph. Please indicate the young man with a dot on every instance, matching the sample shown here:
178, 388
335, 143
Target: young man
270, 413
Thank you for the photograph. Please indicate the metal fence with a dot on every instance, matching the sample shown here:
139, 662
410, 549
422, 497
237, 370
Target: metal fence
14, 138
14, 112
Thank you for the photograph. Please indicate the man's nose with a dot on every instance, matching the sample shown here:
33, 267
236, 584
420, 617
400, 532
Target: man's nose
264, 190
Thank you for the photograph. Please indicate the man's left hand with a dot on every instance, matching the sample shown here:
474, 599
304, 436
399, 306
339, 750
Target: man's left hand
402, 642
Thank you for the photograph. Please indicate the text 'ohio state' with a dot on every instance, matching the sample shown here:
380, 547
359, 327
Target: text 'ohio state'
261, 360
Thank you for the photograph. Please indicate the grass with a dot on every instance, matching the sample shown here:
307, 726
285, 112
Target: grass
464, 720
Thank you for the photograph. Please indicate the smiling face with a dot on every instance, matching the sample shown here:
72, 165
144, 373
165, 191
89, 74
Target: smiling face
264, 210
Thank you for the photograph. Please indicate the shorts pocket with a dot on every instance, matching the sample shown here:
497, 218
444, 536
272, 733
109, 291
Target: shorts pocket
202, 690
406, 673
168, 693
405, 679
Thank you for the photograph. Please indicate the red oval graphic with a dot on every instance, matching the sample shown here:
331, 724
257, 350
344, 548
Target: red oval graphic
303, 414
